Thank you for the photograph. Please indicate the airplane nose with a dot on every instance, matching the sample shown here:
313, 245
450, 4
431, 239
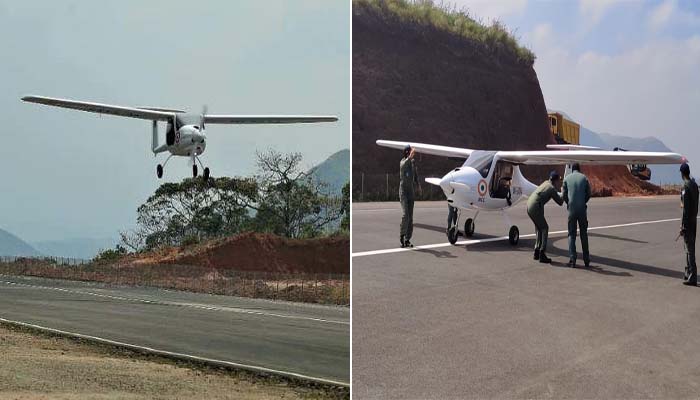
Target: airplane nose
445, 184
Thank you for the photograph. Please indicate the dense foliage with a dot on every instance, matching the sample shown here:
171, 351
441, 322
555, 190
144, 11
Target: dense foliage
280, 199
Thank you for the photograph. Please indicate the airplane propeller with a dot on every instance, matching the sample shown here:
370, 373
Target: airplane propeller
201, 118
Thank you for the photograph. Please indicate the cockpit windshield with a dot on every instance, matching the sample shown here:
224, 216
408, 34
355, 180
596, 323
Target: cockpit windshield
481, 161
187, 119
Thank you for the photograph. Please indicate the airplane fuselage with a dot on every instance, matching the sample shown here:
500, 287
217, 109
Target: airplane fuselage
187, 141
485, 183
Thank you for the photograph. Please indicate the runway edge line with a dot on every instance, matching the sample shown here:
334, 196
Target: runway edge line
178, 356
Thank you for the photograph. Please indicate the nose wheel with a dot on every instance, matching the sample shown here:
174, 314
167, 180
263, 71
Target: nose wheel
159, 171
194, 171
206, 174
513, 235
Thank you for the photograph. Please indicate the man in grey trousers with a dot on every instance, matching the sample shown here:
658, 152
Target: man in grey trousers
576, 192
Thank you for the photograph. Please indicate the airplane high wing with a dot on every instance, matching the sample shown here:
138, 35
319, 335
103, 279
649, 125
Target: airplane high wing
431, 149
598, 157
550, 157
267, 119
152, 113
164, 114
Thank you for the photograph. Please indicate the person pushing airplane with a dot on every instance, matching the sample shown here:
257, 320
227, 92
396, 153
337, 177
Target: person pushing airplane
535, 209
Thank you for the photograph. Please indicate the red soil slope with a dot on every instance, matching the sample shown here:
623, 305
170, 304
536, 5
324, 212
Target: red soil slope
616, 180
260, 252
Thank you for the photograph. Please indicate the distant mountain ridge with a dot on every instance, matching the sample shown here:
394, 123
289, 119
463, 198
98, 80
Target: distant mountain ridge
659, 173
75, 247
334, 171
11, 245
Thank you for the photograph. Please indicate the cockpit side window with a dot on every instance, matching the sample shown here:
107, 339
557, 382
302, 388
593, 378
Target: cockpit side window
481, 161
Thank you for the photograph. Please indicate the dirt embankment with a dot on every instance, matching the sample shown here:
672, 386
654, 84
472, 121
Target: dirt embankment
615, 180
413, 82
259, 252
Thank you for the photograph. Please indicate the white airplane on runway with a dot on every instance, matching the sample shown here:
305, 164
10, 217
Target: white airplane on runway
185, 134
492, 181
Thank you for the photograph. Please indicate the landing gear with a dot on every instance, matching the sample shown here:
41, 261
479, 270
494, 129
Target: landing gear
513, 235
469, 227
206, 174
194, 171
452, 234
159, 171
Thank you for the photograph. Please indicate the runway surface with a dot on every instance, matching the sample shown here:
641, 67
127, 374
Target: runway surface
300, 339
484, 320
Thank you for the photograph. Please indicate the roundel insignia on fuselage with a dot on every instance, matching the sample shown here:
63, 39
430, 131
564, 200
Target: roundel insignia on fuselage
482, 188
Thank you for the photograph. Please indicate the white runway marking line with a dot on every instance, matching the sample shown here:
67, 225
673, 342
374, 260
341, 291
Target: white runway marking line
496, 239
173, 303
178, 355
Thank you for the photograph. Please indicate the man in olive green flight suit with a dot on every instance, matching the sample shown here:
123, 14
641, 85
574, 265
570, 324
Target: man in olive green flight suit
408, 178
576, 192
689, 224
535, 209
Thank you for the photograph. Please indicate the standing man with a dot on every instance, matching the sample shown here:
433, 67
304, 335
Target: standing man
576, 192
535, 209
689, 202
408, 178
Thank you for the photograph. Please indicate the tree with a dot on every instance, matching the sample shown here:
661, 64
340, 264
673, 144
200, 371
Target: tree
345, 208
290, 202
193, 209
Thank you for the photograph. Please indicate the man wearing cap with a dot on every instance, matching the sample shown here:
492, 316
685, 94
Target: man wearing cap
689, 202
576, 192
535, 209
408, 178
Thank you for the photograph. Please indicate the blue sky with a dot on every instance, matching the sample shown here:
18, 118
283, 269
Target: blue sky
623, 67
72, 174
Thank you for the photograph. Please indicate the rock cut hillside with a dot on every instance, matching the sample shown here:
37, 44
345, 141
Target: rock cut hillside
415, 82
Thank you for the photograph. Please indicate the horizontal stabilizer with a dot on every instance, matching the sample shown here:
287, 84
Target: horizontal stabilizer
433, 181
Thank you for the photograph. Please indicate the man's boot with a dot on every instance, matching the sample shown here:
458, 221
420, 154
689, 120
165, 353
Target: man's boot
544, 259
537, 254
403, 242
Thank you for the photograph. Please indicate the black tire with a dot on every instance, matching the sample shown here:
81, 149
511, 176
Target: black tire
206, 174
468, 227
159, 171
194, 171
452, 235
513, 235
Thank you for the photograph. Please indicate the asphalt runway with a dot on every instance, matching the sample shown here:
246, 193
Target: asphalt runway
295, 339
484, 320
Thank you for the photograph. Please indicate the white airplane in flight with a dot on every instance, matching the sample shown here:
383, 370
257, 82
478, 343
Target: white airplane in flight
492, 181
184, 134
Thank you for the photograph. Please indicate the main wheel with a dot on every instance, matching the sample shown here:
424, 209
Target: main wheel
159, 171
513, 235
468, 227
206, 174
452, 234
194, 171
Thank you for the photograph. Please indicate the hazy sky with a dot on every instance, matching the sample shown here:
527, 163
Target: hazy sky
623, 67
75, 174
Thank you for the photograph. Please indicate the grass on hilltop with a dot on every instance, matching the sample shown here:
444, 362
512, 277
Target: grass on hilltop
450, 19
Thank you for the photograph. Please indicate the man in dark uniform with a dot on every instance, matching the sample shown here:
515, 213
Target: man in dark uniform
576, 192
408, 178
535, 209
689, 222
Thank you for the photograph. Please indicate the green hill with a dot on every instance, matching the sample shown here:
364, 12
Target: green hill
334, 171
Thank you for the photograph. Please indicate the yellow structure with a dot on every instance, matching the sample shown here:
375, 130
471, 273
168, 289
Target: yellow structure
563, 129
